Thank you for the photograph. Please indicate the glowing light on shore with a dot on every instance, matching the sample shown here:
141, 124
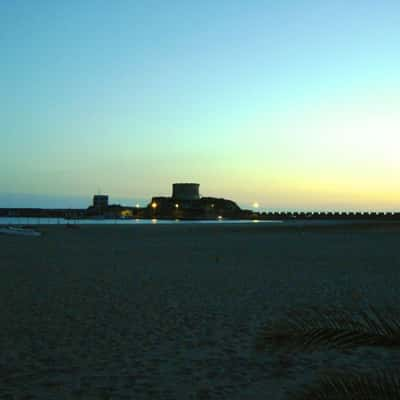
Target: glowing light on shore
220, 217
176, 205
154, 205
126, 213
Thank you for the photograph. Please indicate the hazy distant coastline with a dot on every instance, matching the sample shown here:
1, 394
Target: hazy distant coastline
185, 203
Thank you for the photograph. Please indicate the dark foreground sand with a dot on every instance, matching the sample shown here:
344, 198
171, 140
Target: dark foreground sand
173, 312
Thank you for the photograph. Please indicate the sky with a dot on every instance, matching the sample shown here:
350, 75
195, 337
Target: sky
291, 104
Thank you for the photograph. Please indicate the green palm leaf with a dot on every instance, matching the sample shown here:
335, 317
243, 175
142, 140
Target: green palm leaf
332, 328
381, 385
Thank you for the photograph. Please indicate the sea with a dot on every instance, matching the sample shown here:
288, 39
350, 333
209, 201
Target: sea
62, 221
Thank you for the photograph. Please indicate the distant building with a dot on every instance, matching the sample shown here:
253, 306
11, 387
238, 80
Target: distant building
186, 202
185, 191
100, 202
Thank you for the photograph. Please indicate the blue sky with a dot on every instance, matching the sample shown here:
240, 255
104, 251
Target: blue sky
293, 104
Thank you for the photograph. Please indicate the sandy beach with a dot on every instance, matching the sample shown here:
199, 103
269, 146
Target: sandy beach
173, 312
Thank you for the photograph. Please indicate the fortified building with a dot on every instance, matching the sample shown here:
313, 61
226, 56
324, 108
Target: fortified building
187, 202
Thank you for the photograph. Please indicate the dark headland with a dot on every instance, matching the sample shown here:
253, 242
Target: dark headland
185, 203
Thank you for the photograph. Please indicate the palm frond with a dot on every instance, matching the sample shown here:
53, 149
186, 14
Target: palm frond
333, 328
381, 385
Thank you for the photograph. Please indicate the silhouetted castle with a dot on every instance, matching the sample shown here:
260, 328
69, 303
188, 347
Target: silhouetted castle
100, 202
186, 202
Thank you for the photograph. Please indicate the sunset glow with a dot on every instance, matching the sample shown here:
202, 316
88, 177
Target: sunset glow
295, 104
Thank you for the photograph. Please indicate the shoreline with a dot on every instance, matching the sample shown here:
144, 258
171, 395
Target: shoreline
213, 226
